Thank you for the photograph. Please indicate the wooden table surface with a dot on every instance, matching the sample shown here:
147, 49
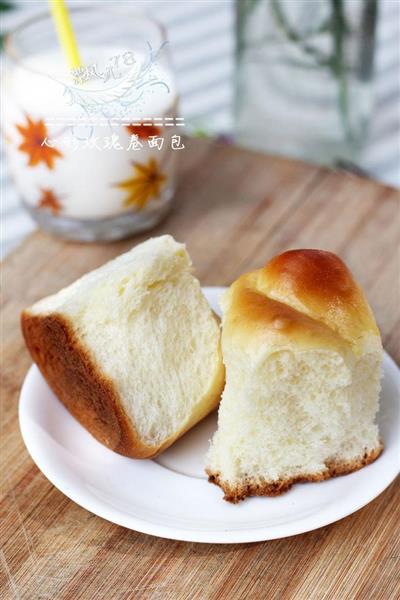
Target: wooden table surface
234, 209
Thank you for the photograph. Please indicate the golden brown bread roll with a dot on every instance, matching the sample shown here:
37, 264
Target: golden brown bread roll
303, 356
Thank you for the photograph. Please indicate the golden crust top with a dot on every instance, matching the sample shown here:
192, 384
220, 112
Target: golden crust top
308, 297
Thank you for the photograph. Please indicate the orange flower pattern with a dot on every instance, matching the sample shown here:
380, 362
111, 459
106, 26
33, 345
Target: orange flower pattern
146, 183
143, 131
34, 134
49, 201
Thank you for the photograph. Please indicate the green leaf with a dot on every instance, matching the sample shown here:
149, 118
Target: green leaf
6, 6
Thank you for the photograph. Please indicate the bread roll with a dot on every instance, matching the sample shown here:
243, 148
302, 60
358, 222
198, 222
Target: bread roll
132, 349
303, 363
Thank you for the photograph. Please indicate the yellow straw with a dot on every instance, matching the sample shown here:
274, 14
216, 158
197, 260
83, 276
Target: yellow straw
65, 33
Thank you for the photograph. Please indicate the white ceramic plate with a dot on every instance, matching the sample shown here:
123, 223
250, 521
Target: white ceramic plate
170, 496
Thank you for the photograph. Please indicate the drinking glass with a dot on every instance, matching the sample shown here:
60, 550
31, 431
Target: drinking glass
93, 150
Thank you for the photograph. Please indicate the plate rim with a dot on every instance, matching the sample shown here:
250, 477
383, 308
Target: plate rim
118, 517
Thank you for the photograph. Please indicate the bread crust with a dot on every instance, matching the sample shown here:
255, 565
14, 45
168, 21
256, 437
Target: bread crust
300, 300
89, 395
252, 487
304, 298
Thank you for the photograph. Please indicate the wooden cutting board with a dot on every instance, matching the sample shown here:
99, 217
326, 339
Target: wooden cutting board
234, 209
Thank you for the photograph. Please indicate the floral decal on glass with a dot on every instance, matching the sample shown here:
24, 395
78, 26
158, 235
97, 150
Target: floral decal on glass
143, 131
145, 184
49, 201
34, 134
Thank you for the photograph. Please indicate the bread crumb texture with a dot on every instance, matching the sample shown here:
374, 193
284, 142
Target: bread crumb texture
132, 349
303, 365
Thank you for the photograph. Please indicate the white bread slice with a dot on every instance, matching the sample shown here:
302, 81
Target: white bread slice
303, 362
132, 349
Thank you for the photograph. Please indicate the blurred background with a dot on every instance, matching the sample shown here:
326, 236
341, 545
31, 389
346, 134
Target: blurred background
317, 80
